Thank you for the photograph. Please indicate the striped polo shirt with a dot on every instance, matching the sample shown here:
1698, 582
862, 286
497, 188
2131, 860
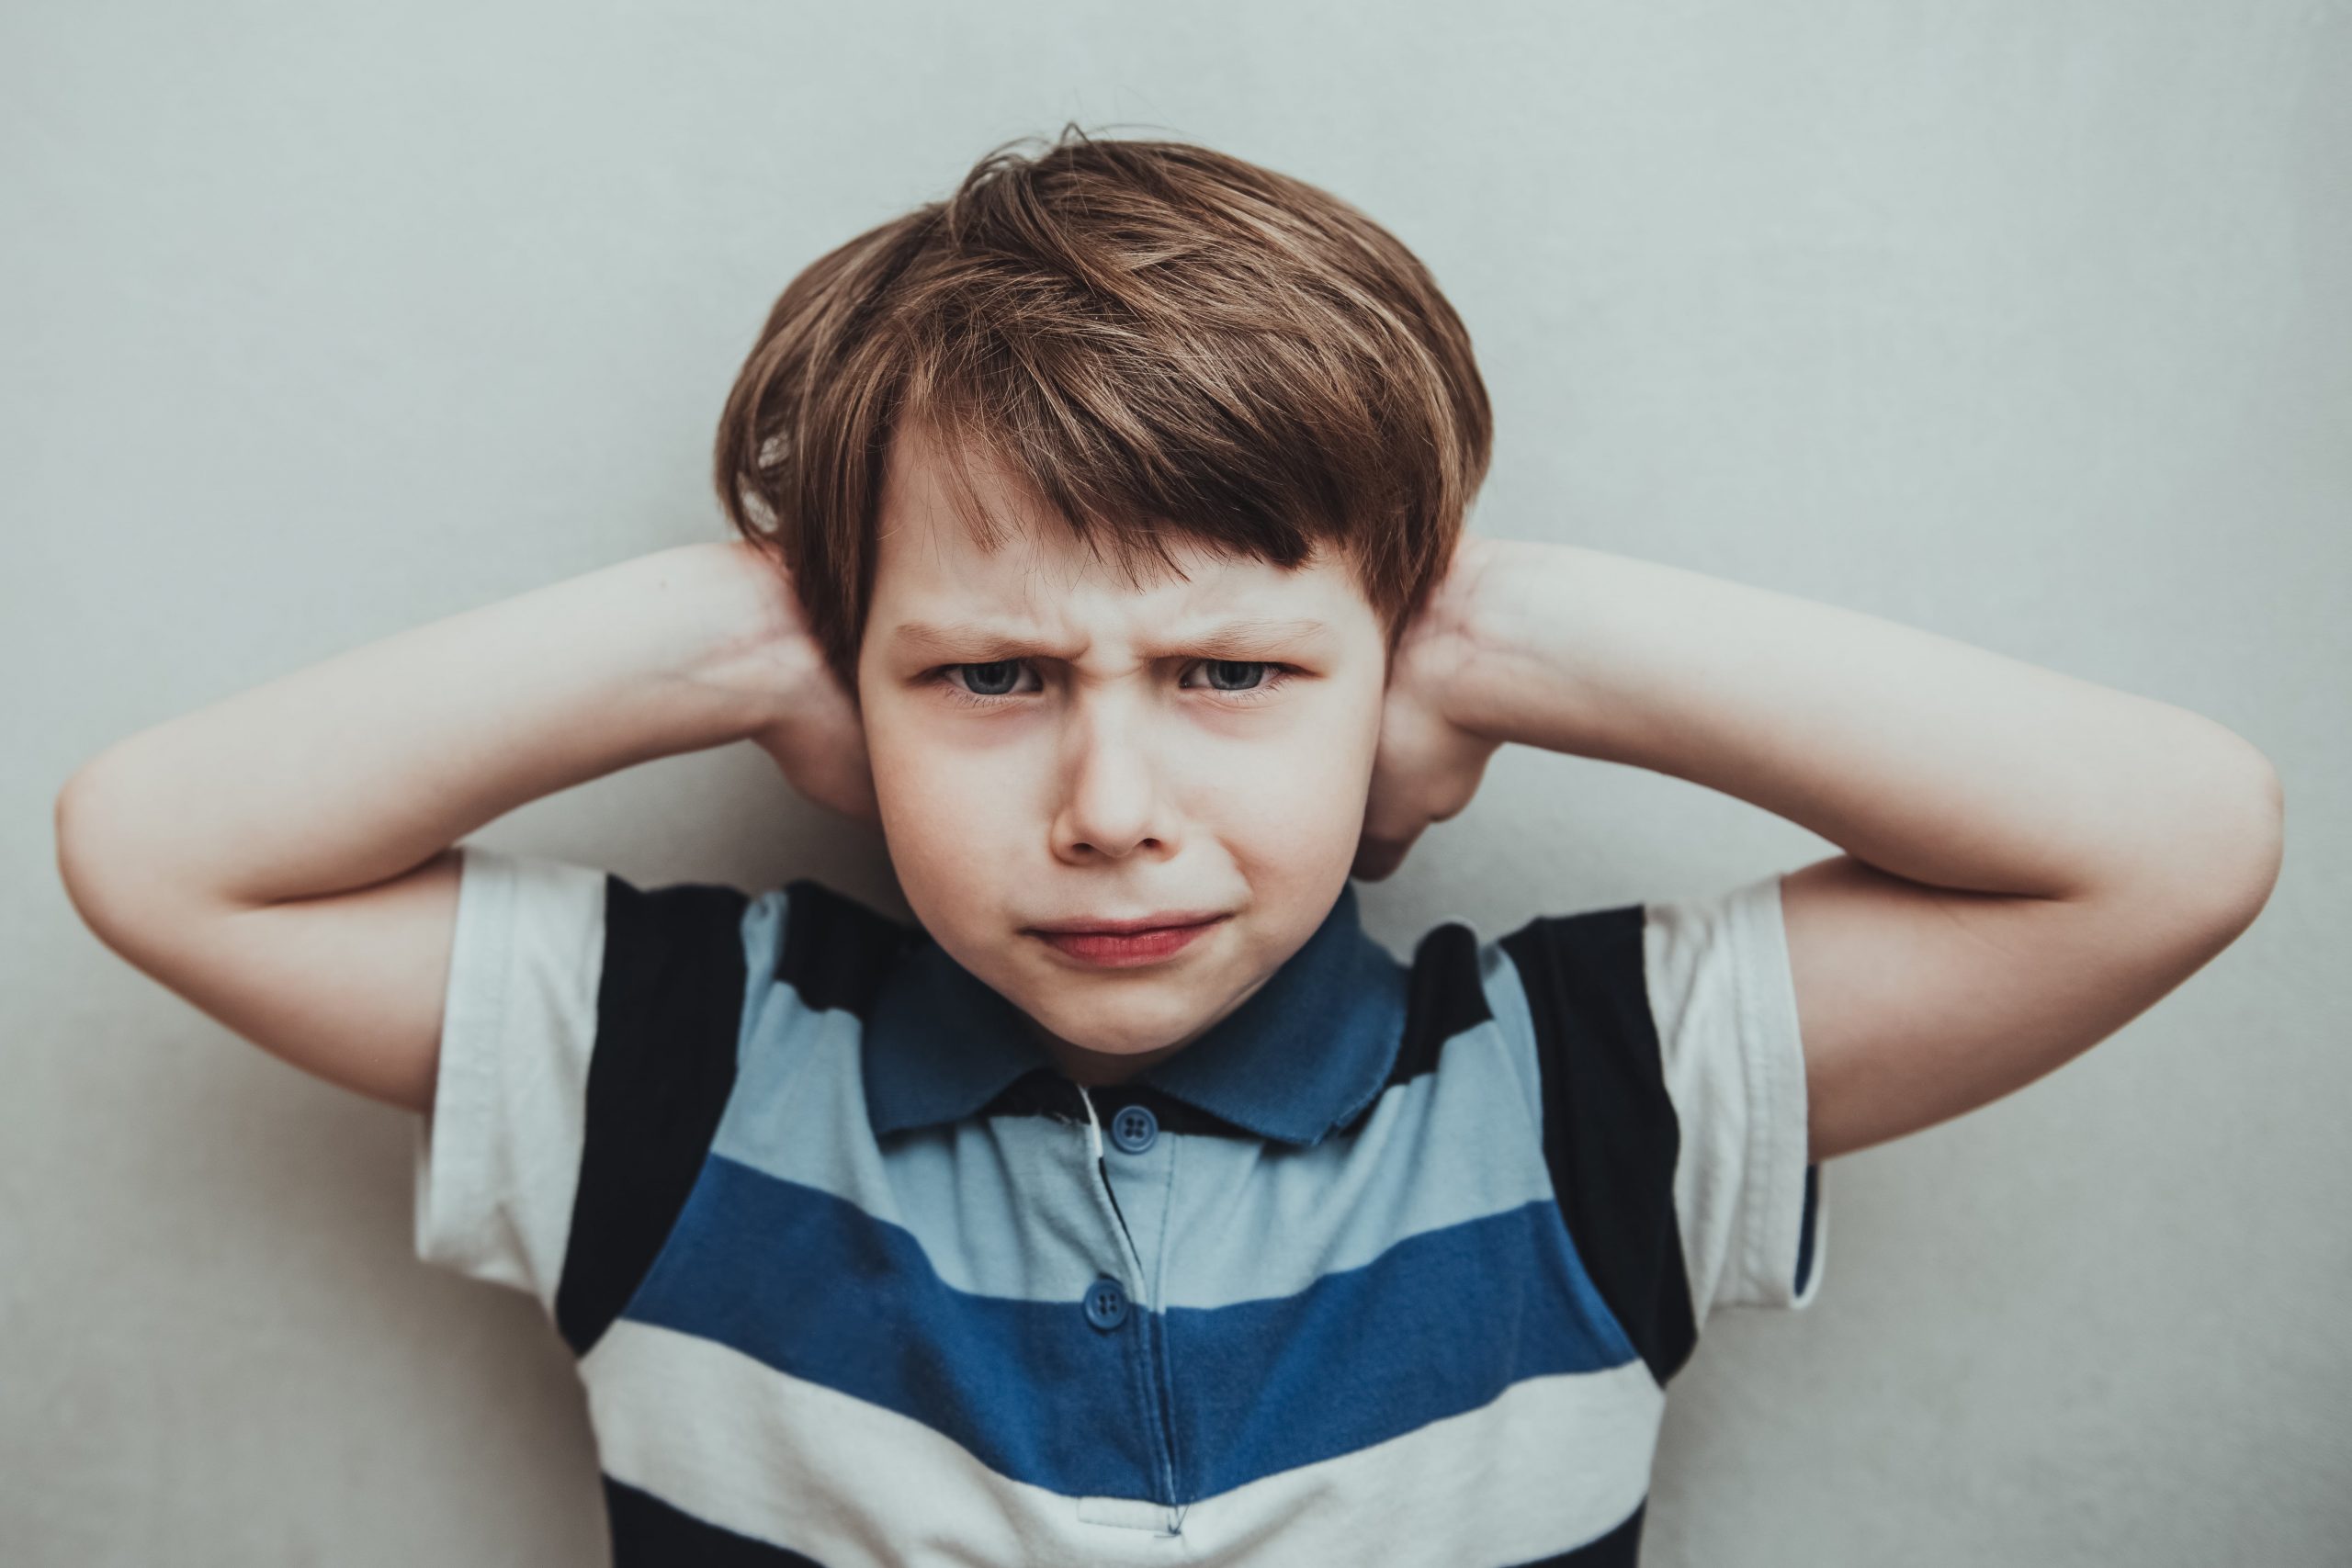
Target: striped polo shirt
1392, 1265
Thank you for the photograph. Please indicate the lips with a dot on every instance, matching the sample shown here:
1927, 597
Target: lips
1085, 926
1125, 949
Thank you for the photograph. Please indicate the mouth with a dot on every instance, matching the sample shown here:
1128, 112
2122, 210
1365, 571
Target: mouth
1117, 947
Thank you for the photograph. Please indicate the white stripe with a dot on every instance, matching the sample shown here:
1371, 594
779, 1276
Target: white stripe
1553, 1463
496, 1161
1094, 1124
1724, 1002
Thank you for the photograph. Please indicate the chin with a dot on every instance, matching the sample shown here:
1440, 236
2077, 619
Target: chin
1113, 1032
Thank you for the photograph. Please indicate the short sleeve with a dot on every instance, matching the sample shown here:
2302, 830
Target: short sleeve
1673, 1086
498, 1155
588, 1040
1747, 1200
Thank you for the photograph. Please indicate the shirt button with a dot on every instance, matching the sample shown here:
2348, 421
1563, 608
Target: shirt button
1106, 1304
1134, 1128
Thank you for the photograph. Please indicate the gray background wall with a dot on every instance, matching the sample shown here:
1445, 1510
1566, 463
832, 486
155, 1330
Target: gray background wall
2027, 322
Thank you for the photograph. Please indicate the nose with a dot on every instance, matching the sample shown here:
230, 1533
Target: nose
1114, 800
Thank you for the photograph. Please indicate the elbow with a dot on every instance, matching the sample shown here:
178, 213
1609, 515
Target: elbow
78, 826
2254, 814
2270, 844
69, 828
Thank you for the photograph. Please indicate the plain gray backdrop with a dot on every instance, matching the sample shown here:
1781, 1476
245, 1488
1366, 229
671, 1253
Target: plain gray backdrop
2028, 323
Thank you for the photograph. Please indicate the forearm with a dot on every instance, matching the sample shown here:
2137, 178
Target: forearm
1923, 756
359, 768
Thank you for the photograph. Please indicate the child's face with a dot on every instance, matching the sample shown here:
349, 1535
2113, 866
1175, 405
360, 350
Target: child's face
1100, 759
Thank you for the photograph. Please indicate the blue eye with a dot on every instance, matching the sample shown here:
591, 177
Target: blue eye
1008, 667
1231, 664
998, 671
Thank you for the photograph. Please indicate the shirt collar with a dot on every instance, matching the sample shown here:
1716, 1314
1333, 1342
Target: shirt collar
1303, 1055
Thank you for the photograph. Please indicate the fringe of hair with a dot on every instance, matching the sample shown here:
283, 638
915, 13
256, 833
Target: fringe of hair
1151, 339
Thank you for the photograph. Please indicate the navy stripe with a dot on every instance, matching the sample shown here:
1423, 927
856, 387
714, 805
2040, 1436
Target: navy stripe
1805, 1242
669, 1013
1440, 1323
649, 1533
837, 951
1444, 996
1611, 1136
1621, 1547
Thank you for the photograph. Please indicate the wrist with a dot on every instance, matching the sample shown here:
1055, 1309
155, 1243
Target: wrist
1489, 614
749, 645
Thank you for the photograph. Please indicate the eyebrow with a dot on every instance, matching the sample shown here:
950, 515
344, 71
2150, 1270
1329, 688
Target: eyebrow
987, 641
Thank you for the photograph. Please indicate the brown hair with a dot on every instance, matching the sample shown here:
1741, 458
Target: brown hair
1152, 338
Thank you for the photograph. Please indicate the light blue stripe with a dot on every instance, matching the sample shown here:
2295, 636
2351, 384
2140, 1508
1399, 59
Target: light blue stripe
1000, 1203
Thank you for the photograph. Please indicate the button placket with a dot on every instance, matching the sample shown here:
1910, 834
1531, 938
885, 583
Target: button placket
1107, 1303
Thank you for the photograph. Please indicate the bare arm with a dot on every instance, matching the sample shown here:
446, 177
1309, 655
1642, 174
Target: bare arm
2030, 859
282, 859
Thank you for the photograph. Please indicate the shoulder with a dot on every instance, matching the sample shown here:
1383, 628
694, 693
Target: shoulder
592, 1037
1658, 1042
1640, 986
834, 950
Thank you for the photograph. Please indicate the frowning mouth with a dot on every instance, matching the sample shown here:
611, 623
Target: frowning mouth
1122, 948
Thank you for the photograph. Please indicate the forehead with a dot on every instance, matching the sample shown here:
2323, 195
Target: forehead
931, 561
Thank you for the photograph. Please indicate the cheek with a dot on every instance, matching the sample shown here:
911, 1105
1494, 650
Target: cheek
1303, 799
934, 817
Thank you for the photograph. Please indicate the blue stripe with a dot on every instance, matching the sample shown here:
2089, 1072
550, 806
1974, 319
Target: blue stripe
1439, 1324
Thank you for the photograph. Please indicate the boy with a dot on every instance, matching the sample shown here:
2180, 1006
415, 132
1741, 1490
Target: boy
1102, 543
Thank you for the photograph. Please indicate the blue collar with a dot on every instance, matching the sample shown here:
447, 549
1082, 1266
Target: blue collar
1304, 1054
